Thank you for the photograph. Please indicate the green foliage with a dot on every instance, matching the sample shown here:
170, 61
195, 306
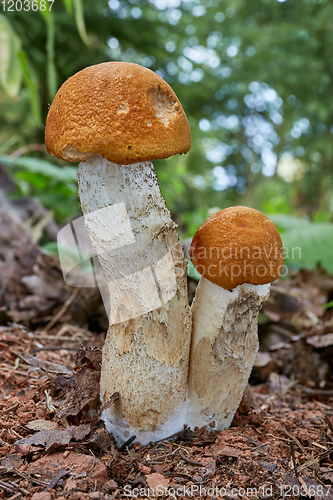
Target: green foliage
288, 222
309, 245
10, 68
42, 167
192, 272
50, 42
30, 79
14, 62
306, 244
79, 19
51, 248
254, 78
55, 187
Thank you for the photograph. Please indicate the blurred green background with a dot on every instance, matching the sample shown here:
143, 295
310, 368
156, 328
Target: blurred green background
254, 78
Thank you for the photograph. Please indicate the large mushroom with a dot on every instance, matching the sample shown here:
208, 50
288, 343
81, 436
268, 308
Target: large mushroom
238, 252
115, 118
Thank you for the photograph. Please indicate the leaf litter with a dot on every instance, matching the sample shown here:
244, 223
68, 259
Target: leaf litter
53, 445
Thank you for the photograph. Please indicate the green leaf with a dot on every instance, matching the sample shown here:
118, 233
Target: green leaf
35, 179
68, 6
309, 246
65, 207
30, 79
328, 305
69, 258
10, 67
192, 272
43, 167
285, 222
45, 13
80, 24
50, 248
51, 67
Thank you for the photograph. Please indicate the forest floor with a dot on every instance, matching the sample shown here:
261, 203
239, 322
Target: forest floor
53, 445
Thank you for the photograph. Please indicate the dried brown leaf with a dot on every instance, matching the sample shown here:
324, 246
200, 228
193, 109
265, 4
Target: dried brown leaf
320, 341
85, 387
155, 480
56, 438
45, 365
41, 425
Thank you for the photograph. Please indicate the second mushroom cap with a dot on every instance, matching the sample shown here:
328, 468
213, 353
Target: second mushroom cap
238, 245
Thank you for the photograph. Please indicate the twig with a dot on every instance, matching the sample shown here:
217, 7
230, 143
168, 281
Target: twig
40, 349
189, 461
329, 423
314, 392
62, 310
16, 496
6, 486
13, 431
26, 149
53, 337
179, 474
11, 487
292, 450
249, 438
295, 440
127, 444
12, 408
27, 476
319, 445
315, 460
278, 437
21, 490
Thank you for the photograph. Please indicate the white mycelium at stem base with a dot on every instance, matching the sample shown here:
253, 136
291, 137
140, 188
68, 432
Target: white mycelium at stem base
145, 358
223, 351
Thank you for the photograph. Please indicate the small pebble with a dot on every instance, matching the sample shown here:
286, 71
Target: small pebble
23, 449
95, 495
40, 413
315, 420
41, 496
110, 486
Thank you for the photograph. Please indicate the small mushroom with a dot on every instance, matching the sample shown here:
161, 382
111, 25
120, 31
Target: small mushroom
238, 252
115, 118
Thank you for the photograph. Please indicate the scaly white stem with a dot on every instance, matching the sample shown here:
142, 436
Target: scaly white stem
145, 356
223, 349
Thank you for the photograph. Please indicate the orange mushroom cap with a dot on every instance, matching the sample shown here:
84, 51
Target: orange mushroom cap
121, 111
238, 245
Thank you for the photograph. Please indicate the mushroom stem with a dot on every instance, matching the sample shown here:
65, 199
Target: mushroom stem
223, 350
146, 352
